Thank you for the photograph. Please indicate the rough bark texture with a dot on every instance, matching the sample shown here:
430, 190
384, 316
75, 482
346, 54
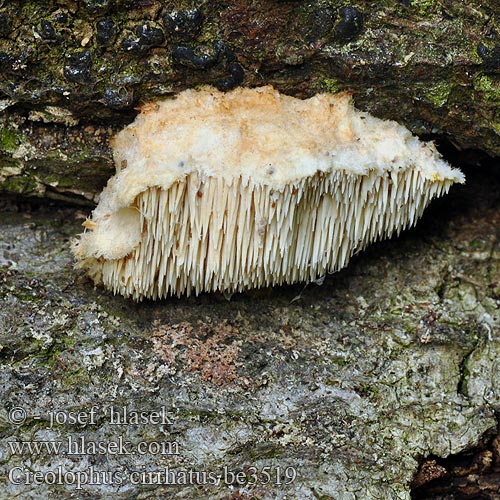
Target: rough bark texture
472, 474
364, 385
72, 72
352, 383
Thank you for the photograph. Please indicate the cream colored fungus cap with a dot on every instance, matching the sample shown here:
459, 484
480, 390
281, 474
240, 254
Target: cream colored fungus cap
282, 166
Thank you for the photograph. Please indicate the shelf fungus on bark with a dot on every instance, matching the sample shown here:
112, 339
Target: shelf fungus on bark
250, 188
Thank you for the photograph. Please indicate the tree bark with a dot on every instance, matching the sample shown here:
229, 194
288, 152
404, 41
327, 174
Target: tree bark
338, 391
72, 72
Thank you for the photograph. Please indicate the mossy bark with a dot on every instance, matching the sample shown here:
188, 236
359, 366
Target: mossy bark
72, 72
344, 388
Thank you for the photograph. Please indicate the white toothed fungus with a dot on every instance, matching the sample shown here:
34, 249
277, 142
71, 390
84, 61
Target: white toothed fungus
250, 188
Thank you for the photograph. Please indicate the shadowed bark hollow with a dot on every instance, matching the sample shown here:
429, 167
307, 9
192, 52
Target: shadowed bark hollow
72, 72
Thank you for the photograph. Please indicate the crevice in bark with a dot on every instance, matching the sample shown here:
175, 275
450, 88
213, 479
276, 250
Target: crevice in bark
472, 474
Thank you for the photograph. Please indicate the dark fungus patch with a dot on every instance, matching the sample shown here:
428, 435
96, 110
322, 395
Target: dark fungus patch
78, 67
490, 57
106, 32
147, 38
203, 57
350, 24
6, 60
61, 17
321, 22
47, 31
235, 78
184, 24
200, 57
4, 25
117, 98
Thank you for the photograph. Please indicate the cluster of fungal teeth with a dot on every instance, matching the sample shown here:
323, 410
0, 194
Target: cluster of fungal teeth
252, 188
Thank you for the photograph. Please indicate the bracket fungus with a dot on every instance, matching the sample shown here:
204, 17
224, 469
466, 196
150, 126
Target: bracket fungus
251, 188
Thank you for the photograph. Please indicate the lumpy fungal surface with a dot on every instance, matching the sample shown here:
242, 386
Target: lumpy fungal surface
251, 188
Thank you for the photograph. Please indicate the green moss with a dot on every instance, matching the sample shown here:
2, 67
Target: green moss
438, 95
9, 140
332, 85
265, 451
488, 86
26, 296
20, 184
424, 7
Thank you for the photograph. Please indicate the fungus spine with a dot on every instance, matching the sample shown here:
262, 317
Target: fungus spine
251, 188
